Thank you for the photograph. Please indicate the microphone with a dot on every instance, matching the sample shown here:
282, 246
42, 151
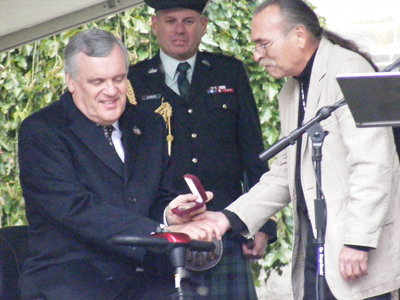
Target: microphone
173, 242
163, 241
127, 240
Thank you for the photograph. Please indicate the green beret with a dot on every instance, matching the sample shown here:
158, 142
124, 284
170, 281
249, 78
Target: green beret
197, 5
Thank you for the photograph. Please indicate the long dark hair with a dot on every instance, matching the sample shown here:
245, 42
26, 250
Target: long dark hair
296, 12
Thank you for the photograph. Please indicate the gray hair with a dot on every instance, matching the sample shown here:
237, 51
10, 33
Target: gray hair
92, 42
296, 12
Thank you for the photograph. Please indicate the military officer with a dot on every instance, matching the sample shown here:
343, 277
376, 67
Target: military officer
214, 128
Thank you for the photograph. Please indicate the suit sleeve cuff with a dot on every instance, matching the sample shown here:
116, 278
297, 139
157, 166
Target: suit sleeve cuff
237, 225
361, 248
270, 229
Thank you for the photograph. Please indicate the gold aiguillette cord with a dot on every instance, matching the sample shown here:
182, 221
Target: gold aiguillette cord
165, 110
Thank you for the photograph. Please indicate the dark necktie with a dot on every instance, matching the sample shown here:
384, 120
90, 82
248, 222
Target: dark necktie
108, 133
183, 83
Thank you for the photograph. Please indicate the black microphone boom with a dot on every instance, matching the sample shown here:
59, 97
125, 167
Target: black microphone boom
392, 66
139, 241
322, 114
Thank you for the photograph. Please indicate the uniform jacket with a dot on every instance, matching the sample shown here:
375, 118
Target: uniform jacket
217, 134
360, 181
79, 194
217, 137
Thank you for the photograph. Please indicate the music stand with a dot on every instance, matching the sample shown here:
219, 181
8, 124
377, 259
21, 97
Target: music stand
373, 98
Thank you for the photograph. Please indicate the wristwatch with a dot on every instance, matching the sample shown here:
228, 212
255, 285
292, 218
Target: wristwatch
162, 228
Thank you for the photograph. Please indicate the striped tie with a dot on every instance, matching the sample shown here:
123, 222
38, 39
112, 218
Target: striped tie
108, 133
183, 83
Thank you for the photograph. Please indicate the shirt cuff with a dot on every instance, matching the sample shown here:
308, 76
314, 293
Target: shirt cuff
165, 217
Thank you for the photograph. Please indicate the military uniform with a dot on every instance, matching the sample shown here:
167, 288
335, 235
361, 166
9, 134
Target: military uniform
216, 136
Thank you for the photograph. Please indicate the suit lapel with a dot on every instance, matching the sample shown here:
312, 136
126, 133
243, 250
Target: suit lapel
317, 75
315, 88
288, 110
132, 130
91, 135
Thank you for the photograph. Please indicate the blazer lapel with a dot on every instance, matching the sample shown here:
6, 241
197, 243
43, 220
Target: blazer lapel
132, 131
91, 135
288, 110
317, 75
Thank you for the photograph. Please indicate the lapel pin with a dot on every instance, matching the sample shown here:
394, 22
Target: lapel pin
136, 130
206, 62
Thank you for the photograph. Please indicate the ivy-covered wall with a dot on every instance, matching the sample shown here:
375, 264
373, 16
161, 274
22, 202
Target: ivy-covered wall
32, 76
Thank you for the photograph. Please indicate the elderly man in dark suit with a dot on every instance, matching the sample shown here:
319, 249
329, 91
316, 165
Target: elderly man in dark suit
84, 182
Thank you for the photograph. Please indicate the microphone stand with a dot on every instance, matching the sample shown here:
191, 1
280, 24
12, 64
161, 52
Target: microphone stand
317, 136
176, 244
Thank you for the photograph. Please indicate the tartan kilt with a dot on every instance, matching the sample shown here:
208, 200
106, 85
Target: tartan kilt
231, 278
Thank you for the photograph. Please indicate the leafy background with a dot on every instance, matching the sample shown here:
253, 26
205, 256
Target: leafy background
32, 76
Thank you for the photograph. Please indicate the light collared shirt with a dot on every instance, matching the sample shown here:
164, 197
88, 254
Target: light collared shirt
171, 75
116, 138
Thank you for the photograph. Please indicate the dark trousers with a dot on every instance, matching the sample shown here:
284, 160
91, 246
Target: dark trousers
310, 271
80, 280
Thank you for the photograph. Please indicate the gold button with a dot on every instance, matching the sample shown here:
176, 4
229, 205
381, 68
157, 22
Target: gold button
190, 110
194, 160
194, 135
224, 106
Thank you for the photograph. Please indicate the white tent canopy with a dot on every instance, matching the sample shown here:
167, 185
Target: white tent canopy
24, 21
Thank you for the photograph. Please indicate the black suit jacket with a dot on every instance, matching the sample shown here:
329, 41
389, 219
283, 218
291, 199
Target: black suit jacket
79, 194
217, 134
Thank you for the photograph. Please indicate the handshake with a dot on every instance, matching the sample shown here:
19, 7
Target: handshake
187, 214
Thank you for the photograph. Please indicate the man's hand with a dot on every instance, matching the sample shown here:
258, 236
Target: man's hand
218, 218
353, 263
198, 230
187, 200
258, 248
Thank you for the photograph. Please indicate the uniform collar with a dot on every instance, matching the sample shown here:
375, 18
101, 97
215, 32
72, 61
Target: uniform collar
170, 64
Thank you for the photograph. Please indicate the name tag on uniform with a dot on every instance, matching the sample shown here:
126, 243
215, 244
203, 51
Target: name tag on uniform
151, 97
221, 89
152, 70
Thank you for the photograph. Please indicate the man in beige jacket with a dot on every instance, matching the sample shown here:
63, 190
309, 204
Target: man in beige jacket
360, 168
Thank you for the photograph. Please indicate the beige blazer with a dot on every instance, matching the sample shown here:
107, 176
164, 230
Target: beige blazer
360, 181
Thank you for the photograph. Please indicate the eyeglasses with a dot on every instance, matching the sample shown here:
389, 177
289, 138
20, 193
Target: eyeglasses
263, 48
